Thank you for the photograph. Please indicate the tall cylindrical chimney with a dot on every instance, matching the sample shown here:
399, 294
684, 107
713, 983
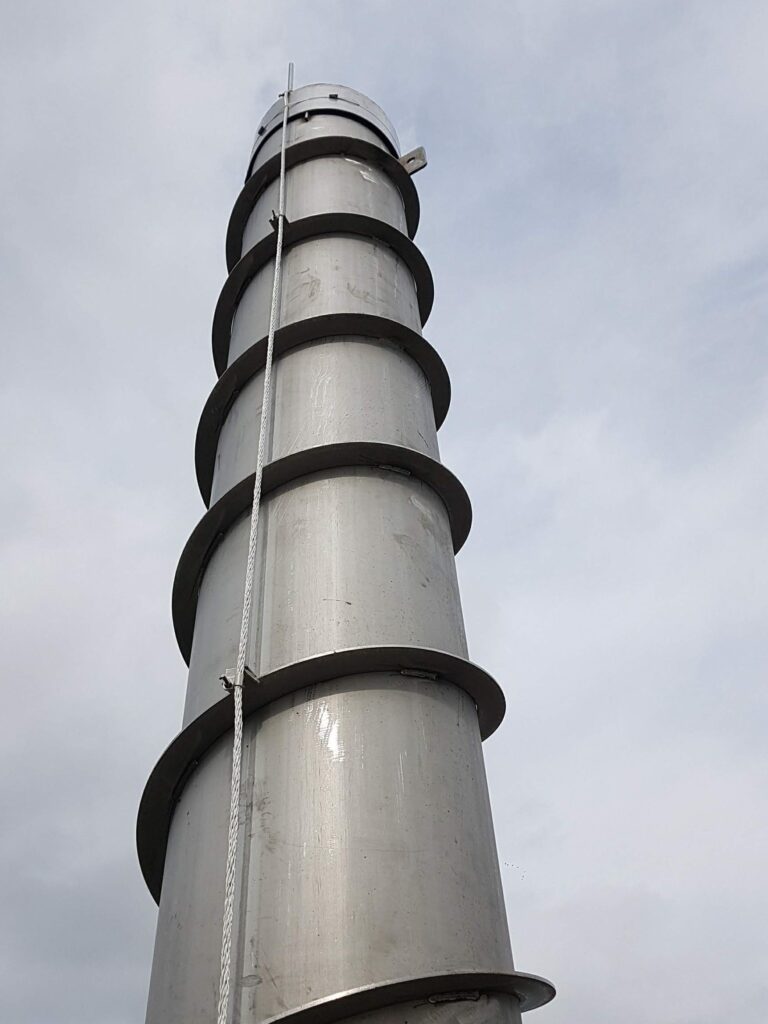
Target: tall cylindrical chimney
367, 877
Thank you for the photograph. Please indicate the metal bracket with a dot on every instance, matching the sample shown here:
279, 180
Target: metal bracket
249, 676
455, 997
414, 161
273, 221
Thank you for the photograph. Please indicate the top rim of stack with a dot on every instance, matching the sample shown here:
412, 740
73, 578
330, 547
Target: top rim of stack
324, 97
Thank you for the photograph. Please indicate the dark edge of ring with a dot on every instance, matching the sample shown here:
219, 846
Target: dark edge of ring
220, 517
167, 779
298, 231
309, 149
250, 362
336, 112
530, 990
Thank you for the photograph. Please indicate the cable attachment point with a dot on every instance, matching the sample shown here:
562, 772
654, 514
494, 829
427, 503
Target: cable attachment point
274, 220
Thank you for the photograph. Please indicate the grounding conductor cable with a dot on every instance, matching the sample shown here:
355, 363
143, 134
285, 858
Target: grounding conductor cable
237, 684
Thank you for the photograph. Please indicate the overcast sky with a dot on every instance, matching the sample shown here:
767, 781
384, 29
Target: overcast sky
595, 217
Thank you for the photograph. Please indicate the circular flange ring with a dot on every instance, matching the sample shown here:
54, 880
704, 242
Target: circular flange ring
324, 145
298, 231
169, 775
530, 990
236, 376
237, 500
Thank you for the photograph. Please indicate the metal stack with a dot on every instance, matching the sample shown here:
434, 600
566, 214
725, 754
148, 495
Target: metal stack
367, 878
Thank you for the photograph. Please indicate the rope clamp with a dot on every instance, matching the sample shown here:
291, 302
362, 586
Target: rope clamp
274, 220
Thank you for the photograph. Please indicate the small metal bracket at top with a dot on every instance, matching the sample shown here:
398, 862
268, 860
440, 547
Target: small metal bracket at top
414, 161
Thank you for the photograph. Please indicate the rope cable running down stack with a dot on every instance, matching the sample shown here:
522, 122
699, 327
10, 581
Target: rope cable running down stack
237, 684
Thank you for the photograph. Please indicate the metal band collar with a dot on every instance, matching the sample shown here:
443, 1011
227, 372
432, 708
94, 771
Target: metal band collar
330, 99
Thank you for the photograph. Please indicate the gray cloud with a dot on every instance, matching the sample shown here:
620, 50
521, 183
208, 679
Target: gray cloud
594, 216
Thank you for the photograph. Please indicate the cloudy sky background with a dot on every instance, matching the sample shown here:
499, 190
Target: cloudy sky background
595, 217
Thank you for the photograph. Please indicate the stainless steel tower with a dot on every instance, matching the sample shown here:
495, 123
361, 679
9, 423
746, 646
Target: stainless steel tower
368, 883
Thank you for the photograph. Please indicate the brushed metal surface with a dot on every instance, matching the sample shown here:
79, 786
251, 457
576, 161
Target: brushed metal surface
329, 184
368, 853
326, 275
370, 789
369, 887
239, 373
311, 149
318, 125
166, 781
328, 391
337, 103
321, 225
392, 581
345, 455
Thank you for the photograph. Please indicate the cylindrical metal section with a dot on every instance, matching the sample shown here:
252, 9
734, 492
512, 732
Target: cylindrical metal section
368, 886
318, 125
330, 391
324, 109
355, 557
368, 857
333, 184
326, 275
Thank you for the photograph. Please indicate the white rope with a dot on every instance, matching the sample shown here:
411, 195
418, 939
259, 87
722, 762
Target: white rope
237, 688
